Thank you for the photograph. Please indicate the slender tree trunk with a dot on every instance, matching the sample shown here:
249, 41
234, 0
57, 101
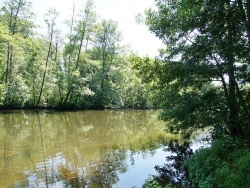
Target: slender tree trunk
67, 95
12, 26
70, 41
34, 93
8, 74
222, 78
7, 66
51, 22
60, 94
80, 46
15, 17
242, 101
71, 88
46, 65
103, 70
83, 33
233, 112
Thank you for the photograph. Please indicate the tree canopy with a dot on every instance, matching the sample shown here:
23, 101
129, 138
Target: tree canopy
202, 77
87, 68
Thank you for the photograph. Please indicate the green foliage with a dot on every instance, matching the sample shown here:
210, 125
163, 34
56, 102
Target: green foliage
187, 106
17, 94
202, 80
17, 15
87, 69
148, 70
199, 76
224, 164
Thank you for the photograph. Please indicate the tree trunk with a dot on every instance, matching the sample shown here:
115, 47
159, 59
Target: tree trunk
234, 124
67, 95
233, 111
46, 65
80, 47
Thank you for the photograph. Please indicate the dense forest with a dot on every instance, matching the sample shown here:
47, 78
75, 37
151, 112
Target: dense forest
201, 80
87, 68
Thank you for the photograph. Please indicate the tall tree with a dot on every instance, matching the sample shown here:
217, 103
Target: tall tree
84, 28
50, 19
17, 17
16, 14
203, 74
107, 40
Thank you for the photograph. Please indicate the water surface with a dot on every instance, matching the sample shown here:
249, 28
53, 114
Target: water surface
80, 149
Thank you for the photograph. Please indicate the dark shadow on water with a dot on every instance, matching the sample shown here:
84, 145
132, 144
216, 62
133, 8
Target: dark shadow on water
173, 172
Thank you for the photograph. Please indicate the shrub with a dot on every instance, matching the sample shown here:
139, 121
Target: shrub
224, 164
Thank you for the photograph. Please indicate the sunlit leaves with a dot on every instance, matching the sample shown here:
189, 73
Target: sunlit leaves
88, 67
206, 46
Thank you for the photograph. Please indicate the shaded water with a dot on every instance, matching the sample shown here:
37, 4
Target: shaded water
80, 149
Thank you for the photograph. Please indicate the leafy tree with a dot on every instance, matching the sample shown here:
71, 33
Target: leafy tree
17, 24
36, 52
203, 73
107, 40
78, 40
142, 92
15, 14
50, 19
4, 40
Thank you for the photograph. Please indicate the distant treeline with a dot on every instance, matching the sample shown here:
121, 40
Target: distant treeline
87, 68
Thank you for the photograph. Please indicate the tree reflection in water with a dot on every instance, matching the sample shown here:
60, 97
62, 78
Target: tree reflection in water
174, 172
75, 149
104, 172
101, 172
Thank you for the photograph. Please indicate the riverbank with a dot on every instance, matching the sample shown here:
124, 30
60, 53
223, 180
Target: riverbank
224, 164
76, 107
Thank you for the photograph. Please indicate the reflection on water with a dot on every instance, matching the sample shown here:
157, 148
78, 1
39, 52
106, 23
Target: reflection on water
78, 149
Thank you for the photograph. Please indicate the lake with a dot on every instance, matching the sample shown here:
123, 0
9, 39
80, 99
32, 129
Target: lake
80, 148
